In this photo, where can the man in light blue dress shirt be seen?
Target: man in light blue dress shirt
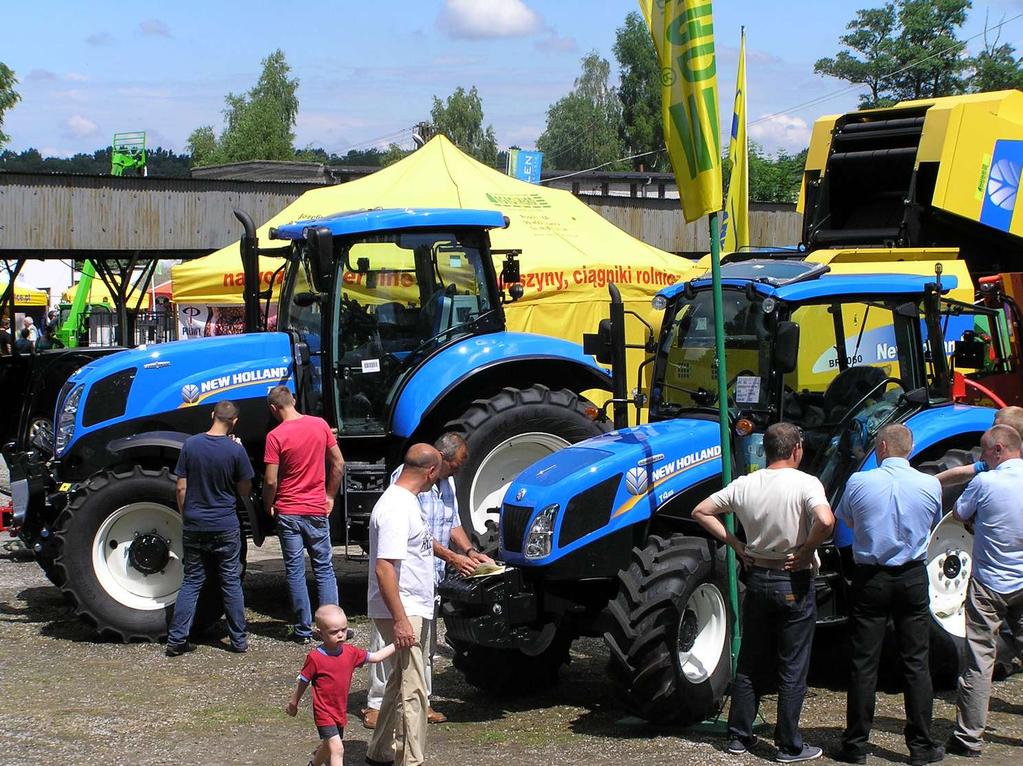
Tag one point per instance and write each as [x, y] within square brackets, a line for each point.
[994, 500]
[891, 511]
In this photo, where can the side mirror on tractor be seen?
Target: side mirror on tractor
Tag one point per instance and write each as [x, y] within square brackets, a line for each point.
[599, 345]
[785, 353]
[320, 243]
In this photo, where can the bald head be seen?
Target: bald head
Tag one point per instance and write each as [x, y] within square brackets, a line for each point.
[1000, 443]
[421, 468]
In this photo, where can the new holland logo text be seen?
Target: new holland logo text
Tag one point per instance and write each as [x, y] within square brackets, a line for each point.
[680, 464]
[636, 480]
[241, 378]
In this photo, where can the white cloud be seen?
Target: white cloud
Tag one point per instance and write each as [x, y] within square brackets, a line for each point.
[482, 19]
[99, 38]
[555, 43]
[780, 132]
[154, 28]
[78, 126]
[40, 75]
[76, 77]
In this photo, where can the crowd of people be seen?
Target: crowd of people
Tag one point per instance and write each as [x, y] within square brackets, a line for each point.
[27, 340]
[891, 511]
[415, 535]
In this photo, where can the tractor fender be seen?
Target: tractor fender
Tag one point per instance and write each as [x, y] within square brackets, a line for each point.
[933, 430]
[166, 443]
[481, 366]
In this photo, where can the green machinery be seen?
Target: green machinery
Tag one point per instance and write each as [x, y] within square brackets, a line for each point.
[72, 316]
[128, 153]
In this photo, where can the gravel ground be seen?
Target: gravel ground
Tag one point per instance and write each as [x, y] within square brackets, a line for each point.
[71, 699]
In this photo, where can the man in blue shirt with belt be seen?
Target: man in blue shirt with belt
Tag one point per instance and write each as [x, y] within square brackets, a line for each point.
[994, 500]
[891, 511]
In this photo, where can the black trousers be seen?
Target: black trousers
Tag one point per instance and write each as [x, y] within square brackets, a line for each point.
[900, 594]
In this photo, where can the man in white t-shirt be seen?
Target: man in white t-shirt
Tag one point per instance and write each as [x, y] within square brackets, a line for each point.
[400, 603]
[785, 515]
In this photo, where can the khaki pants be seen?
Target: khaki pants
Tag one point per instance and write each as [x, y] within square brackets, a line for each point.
[378, 672]
[986, 611]
[400, 735]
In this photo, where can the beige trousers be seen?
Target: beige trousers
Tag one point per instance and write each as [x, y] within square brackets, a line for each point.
[986, 611]
[400, 734]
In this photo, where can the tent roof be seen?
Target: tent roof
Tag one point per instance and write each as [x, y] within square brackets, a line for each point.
[27, 296]
[553, 229]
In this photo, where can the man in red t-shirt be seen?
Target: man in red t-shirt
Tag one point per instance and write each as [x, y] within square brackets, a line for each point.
[299, 492]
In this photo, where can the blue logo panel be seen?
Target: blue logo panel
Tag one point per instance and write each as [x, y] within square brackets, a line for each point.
[1002, 185]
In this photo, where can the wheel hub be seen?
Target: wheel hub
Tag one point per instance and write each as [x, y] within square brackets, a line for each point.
[952, 565]
[149, 553]
[687, 631]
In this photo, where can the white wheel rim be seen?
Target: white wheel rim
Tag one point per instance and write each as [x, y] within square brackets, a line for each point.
[123, 582]
[501, 465]
[699, 654]
[949, 563]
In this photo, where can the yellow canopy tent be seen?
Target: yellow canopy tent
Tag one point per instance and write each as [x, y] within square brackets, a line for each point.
[569, 252]
[99, 294]
[26, 296]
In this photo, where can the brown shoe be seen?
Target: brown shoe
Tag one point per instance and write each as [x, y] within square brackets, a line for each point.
[432, 716]
[369, 717]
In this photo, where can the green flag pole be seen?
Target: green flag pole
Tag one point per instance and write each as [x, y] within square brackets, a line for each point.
[726, 450]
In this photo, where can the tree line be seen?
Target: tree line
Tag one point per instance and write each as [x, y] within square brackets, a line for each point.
[904, 49]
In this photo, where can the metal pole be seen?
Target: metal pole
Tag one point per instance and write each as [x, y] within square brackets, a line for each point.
[726, 448]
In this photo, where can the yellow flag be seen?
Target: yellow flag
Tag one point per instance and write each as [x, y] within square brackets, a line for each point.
[683, 33]
[735, 221]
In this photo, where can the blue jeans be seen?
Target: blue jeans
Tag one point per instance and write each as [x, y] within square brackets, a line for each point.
[219, 553]
[311, 533]
[779, 613]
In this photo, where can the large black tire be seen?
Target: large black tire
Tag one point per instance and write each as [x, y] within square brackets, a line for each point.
[109, 596]
[510, 672]
[506, 434]
[671, 629]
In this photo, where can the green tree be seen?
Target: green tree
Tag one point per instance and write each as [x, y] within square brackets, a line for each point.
[872, 36]
[906, 49]
[258, 124]
[771, 179]
[640, 94]
[460, 118]
[996, 67]
[584, 128]
[8, 97]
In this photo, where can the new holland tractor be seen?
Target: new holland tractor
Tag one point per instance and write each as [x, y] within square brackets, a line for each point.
[390, 325]
[897, 290]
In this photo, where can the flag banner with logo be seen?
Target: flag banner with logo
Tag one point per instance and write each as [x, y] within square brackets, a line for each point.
[683, 34]
[735, 221]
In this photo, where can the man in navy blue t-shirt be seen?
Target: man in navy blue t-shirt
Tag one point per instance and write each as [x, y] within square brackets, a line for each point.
[211, 469]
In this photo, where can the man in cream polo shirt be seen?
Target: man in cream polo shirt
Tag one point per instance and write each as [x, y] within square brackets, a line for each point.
[400, 603]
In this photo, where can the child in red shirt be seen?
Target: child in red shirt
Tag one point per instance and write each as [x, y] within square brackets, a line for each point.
[329, 669]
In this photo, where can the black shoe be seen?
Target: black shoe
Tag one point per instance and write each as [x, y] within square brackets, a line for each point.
[849, 756]
[176, 650]
[736, 746]
[808, 753]
[298, 638]
[955, 747]
[237, 649]
[375, 762]
[931, 755]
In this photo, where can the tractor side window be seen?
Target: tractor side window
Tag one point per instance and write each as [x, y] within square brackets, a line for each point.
[305, 322]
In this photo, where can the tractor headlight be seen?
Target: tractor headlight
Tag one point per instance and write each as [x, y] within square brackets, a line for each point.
[66, 419]
[659, 303]
[541, 531]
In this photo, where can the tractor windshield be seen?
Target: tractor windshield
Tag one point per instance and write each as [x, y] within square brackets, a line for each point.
[685, 374]
[403, 295]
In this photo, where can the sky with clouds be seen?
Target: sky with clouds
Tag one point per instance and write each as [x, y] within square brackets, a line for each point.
[369, 71]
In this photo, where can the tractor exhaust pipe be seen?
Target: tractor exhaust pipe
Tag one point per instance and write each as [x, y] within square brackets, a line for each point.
[619, 372]
[250, 267]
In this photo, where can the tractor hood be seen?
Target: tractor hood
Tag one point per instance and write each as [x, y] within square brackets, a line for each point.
[154, 381]
[604, 484]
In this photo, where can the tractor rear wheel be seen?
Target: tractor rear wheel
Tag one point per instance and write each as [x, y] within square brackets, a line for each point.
[506, 434]
[669, 640]
[119, 556]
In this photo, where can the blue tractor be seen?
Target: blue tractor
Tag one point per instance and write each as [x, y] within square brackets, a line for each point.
[390, 325]
[599, 539]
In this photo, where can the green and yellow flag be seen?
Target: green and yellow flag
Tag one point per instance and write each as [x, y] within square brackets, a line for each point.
[683, 33]
[735, 222]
